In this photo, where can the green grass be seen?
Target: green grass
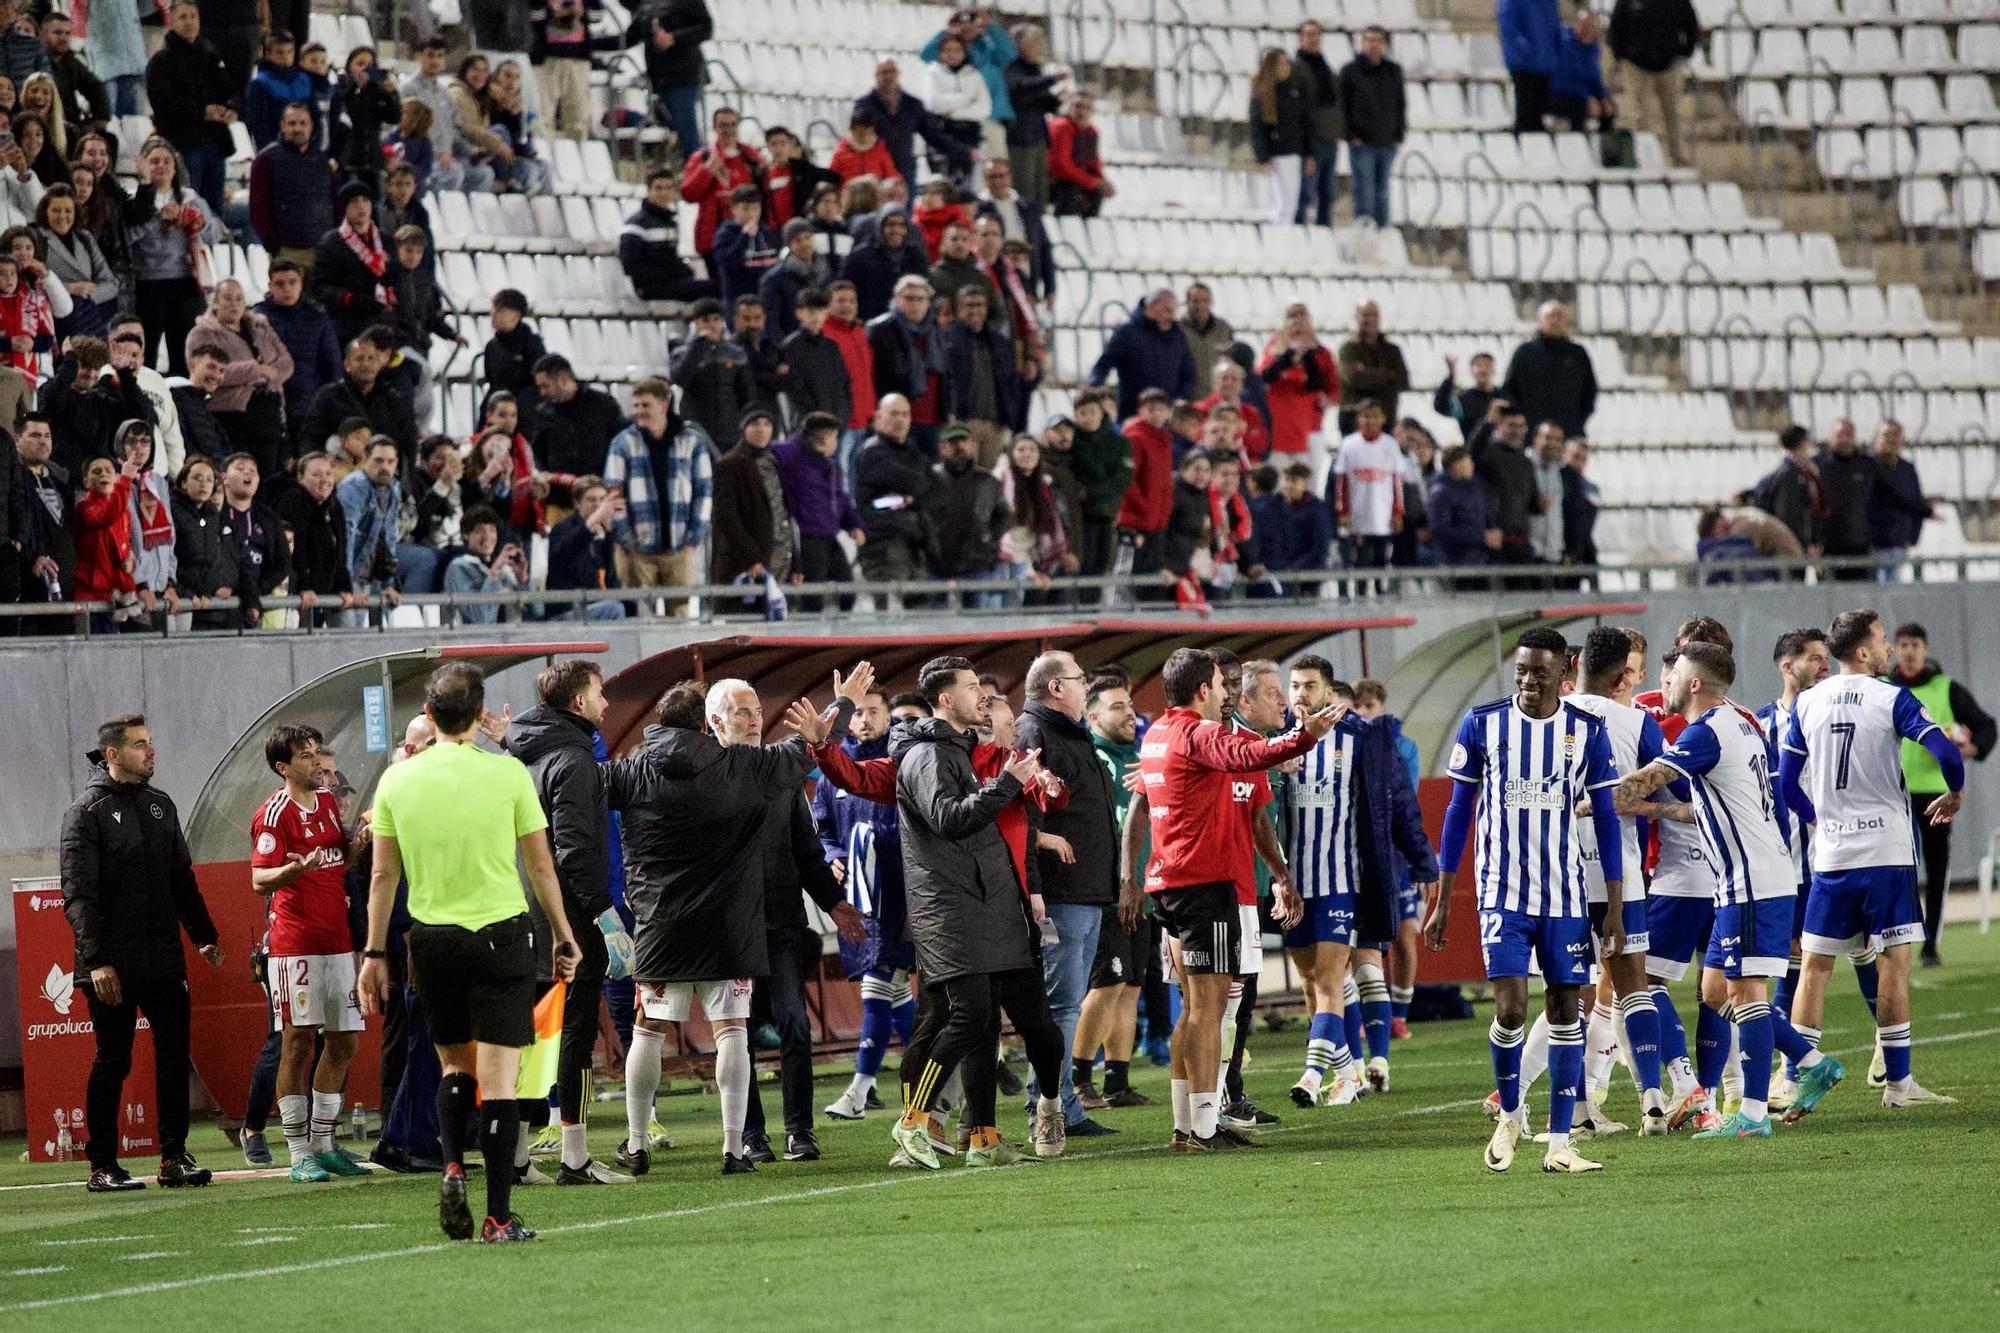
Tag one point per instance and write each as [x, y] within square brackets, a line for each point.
[1379, 1213]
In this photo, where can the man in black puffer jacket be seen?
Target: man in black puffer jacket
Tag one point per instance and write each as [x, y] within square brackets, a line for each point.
[554, 740]
[794, 865]
[975, 944]
[694, 858]
[129, 890]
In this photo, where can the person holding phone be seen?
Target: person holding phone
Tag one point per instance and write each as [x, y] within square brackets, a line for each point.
[488, 565]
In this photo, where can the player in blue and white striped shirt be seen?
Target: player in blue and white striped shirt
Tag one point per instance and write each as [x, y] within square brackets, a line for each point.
[1842, 767]
[1727, 761]
[1525, 763]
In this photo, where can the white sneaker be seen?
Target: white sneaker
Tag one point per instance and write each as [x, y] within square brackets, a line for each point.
[1600, 1125]
[1878, 1068]
[1378, 1074]
[1652, 1124]
[1344, 1090]
[1782, 1092]
[1049, 1133]
[532, 1175]
[915, 1144]
[1567, 1161]
[1912, 1093]
[846, 1107]
[657, 1136]
[1500, 1148]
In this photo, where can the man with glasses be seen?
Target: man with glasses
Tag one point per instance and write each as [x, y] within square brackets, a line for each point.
[1077, 851]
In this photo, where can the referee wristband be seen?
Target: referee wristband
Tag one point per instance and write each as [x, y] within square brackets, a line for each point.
[374, 953]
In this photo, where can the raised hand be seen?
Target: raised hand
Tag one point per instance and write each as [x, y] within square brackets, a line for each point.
[856, 684]
[1325, 720]
[805, 720]
[1023, 765]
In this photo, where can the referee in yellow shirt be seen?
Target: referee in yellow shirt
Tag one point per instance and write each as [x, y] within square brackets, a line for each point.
[452, 819]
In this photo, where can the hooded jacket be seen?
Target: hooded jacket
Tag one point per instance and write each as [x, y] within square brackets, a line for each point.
[1090, 819]
[716, 384]
[556, 747]
[966, 901]
[203, 561]
[1145, 356]
[874, 270]
[1389, 825]
[795, 865]
[1148, 502]
[271, 89]
[693, 837]
[128, 881]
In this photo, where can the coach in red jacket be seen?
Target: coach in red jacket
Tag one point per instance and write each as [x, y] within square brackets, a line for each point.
[1187, 766]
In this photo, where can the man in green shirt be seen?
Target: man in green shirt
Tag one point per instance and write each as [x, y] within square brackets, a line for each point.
[1110, 1014]
[453, 819]
[1969, 727]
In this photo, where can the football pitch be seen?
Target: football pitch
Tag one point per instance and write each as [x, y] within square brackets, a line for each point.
[1379, 1214]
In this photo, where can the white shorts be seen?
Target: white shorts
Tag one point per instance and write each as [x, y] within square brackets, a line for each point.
[1250, 952]
[673, 1001]
[315, 990]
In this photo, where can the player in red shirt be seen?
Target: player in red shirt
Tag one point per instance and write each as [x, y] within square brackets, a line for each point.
[298, 857]
[1190, 768]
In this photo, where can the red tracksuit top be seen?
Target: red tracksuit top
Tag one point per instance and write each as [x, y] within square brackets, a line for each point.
[1188, 765]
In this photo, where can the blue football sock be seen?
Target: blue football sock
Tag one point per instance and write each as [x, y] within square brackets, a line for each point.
[1711, 1047]
[1374, 1010]
[1506, 1044]
[1326, 1043]
[1673, 1037]
[1895, 1050]
[1399, 1002]
[1754, 1034]
[874, 1039]
[1781, 1003]
[1565, 1074]
[904, 1017]
[1867, 978]
[1642, 1029]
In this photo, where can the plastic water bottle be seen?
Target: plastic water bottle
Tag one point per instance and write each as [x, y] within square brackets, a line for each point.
[357, 1123]
[64, 1144]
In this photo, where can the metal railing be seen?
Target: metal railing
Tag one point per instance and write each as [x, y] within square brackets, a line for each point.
[1068, 595]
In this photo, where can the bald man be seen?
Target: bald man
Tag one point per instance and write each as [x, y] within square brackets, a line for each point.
[1550, 377]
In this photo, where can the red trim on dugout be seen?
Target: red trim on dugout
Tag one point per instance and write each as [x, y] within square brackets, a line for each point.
[526, 649]
[1593, 609]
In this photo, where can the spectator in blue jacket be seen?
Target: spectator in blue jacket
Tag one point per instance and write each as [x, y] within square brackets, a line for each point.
[1577, 92]
[1296, 533]
[990, 49]
[1462, 533]
[745, 249]
[1148, 352]
[1898, 510]
[1530, 46]
[277, 82]
[307, 334]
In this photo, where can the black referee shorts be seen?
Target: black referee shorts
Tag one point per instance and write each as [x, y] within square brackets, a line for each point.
[1121, 954]
[1203, 917]
[479, 985]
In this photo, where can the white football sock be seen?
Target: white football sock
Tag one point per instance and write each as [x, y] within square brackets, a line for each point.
[859, 1087]
[1600, 1046]
[575, 1146]
[1183, 1105]
[1753, 1109]
[732, 1082]
[1535, 1052]
[295, 1114]
[325, 1119]
[642, 1081]
[1207, 1108]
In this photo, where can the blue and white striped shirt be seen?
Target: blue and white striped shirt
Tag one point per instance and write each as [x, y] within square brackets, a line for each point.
[1532, 773]
[1324, 853]
[1744, 830]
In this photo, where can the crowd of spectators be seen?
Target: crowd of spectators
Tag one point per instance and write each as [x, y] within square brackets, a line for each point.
[1861, 509]
[851, 402]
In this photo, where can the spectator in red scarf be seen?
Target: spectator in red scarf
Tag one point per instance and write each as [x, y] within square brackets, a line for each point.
[155, 570]
[104, 542]
[1301, 383]
[353, 275]
[517, 489]
[27, 327]
[1036, 544]
[1229, 515]
[713, 174]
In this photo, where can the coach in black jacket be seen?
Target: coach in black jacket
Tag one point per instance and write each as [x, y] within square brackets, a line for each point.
[795, 867]
[1080, 875]
[554, 740]
[129, 890]
[695, 812]
[975, 944]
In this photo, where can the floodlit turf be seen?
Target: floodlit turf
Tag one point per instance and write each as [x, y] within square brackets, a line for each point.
[1378, 1214]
